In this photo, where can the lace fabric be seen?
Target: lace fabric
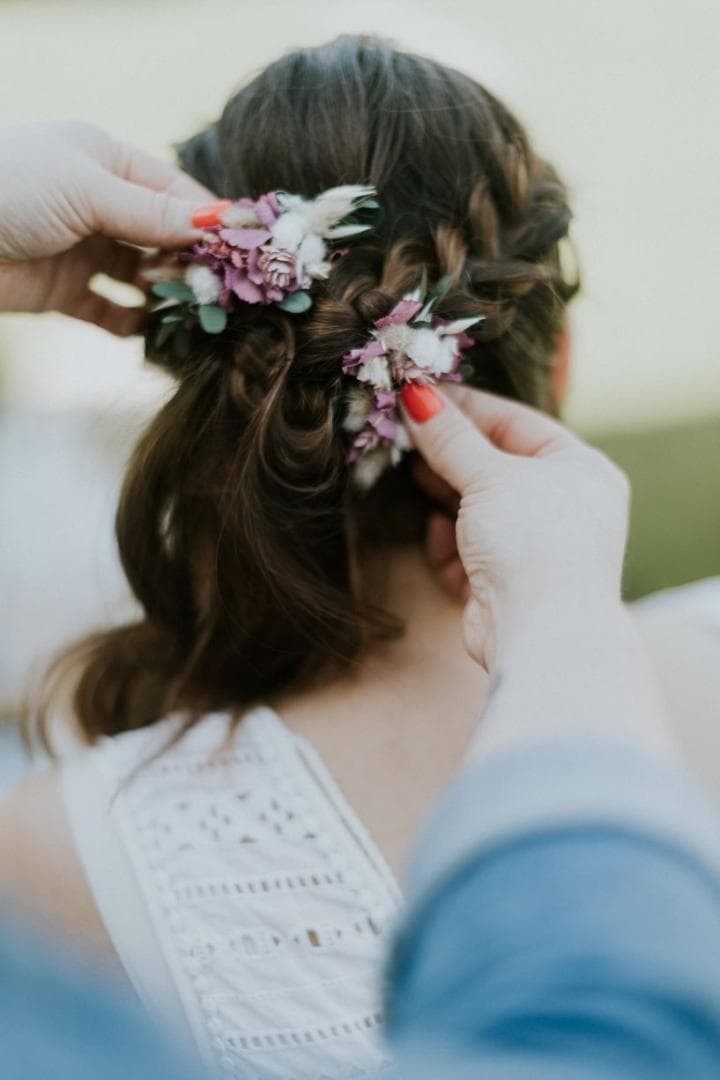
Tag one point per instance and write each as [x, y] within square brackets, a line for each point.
[266, 904]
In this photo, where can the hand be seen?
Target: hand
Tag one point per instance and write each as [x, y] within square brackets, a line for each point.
[72, 200]
[541, 516]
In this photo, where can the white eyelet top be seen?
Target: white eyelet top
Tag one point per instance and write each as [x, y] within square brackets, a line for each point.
[242, 894]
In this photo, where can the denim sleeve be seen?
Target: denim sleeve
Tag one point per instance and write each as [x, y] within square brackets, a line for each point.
[564, 922]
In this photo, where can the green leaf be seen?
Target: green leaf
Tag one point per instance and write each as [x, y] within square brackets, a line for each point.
[173, 316]
[296, 302]
[213, 318]
[173, 290]
[442, 288]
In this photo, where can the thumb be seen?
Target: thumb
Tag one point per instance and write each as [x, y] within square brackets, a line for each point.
[138, 215]
[450, 444]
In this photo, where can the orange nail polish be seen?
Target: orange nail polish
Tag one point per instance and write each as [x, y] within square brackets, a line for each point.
[205, 217]
[421, 401]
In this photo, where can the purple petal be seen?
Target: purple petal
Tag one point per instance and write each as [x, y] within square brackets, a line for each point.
[385, 399]
[351, 361]
[367, 439]
[373, 348]
[245, 289]
[384, 425]
[245, 238]
[253, 270]
[401, 313]
[267, 209]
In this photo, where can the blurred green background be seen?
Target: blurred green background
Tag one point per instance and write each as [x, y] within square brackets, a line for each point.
[675, 520]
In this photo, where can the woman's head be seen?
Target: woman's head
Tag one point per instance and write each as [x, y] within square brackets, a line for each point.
[253, 556]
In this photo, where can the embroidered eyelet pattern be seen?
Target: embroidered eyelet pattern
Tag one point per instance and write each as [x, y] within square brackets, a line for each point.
[270, 911]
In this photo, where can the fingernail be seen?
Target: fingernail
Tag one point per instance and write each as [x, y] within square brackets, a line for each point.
[421, 401]
[205, 217]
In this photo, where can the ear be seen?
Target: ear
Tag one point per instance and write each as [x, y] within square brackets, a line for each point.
[560, 375]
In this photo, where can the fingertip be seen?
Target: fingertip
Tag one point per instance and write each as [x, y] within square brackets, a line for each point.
[421, 401]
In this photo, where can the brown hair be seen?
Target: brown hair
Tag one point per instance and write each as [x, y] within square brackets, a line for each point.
[239, 533]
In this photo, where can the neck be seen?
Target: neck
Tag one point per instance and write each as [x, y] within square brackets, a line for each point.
[423, 675]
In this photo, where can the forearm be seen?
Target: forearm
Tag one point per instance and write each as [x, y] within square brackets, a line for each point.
[565, 897]
[571, 666]
[564, 919]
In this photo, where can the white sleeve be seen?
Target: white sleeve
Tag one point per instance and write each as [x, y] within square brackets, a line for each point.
[698, 602]
[89, 791]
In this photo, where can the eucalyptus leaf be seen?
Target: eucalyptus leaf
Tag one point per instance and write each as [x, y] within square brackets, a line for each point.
[296, 302]
[213, 318]
[173, 316]
[173, 290]
[442, 288]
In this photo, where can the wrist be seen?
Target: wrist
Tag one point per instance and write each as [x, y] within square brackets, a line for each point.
[558, 620]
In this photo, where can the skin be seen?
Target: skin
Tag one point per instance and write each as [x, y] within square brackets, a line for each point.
[521, 569]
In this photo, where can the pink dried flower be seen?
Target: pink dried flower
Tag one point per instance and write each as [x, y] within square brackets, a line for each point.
[277, 267]
[399, 351]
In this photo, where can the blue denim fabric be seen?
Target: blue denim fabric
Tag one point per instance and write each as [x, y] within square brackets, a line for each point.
[564, 921]
[584, 953]
[59, 1021]
[564, 924]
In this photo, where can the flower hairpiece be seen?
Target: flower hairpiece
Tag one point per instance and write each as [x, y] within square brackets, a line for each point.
[263, 251]
[408, 345]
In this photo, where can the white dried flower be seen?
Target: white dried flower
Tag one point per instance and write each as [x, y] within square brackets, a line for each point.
[324, 211]
[288, 231]
[396, 338]
[205, 285]
[432, 352]
[358, 409]
[240, 217]
[376, 372]
[370, 466]
[311, 257]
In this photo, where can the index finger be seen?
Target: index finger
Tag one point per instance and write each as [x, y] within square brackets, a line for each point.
[510, 425]
[450, 443]
[139, 167]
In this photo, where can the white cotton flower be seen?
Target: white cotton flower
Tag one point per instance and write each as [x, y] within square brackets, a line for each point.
[396, 338]
[358, 409]
[240, 217]
[288, 231]
[205, 285]
[311, 258]
[376, 372]
[312, 249]
[369, 467]
[318, 271]
[432, 352]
